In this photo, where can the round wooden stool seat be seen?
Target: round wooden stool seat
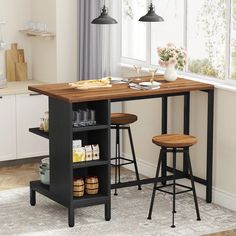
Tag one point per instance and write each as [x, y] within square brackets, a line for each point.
[122, 118]
[174, 140]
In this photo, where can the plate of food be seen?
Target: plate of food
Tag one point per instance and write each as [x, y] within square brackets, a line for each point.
[92, 84]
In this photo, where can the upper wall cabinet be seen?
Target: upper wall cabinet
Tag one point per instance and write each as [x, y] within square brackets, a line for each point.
[7, 128]
[29, 109]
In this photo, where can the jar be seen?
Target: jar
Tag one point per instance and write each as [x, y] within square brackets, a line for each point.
[46, 122]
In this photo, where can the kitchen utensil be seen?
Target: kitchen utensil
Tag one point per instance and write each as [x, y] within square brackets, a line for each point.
[138, 69]
[44, 173]
[21, 66]
[153, 72]
[11, 59]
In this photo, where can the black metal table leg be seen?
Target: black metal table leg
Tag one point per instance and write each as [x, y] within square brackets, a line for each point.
[164, 131]
[186, 127]
[71, 217]
[210, 119]
[32, 197]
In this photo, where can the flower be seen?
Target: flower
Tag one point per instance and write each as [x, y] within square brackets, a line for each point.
[171, 55]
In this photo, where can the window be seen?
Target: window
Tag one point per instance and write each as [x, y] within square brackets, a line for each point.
[169, 31]
[206, 37]
[133, 33]
[202, 27]
[233, 41]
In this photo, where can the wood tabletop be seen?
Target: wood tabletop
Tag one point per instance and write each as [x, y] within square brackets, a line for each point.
[118, 91]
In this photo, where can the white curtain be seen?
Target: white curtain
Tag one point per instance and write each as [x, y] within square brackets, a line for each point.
[99, 45]
[111, 41]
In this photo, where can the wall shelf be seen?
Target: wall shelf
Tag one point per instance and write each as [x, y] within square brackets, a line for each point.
[44, 35]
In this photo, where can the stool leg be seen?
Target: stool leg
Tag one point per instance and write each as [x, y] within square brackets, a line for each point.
[155, 185]
[193, 187]
[163, 167]
[174, 176]
[117, 144]
[134, 158]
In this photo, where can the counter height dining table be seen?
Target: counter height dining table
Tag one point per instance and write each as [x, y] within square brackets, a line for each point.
[63, 100]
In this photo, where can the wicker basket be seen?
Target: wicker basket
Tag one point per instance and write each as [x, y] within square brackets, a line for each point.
[78, 187]
[91, 185]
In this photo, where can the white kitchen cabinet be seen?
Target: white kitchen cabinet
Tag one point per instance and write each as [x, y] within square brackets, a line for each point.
[7, 128]
[29, 109]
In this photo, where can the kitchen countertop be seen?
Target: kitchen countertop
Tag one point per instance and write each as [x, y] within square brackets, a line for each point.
[119, 92]
[18, 87]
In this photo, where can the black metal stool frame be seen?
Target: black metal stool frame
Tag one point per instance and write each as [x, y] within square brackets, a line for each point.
[162, 155]
[118, 157]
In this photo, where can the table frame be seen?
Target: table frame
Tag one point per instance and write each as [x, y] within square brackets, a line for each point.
[165, 168]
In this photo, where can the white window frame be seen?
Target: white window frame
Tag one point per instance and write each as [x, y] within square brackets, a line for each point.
[147, 63]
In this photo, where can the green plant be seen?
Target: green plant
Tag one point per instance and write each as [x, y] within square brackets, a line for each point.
[203, 67]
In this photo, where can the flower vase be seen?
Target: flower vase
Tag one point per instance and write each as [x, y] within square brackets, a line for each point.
[170, 73]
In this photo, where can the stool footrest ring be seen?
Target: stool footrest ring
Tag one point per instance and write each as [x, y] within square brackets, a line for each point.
[160, 188]
[128, 161]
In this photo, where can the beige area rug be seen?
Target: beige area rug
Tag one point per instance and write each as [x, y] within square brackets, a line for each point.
[129, 216]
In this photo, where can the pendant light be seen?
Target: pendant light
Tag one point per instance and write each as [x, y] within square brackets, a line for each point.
[151, 16]
[104, 18]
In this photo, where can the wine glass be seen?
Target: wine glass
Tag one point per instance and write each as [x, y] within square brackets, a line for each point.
[138, 69]
[153, 72]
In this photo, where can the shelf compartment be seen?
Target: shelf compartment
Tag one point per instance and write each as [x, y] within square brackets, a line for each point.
[86, 164]
[101, 109]
[39, 132]
[89, 200]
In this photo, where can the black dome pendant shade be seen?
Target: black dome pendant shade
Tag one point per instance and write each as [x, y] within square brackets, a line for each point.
[104, 18]
[151, 16]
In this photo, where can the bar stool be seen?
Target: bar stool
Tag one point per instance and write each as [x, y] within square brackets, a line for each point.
[174, 143]
[122, 121]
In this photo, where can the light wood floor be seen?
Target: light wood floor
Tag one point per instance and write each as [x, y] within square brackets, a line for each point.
[21, 175]
[18, 176]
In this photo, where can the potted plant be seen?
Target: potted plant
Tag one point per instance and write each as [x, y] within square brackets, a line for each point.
[172, 58]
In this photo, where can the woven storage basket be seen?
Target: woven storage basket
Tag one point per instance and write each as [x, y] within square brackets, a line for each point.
[91, 185]
[78, 187]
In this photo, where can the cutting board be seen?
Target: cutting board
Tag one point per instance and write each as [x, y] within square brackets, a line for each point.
[16, 68]
[11, 59]
[21, 67]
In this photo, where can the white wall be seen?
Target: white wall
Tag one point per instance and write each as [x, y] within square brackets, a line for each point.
[67, 39]
[16, 14]
[49, 61]
[44, 52]
[149, 124]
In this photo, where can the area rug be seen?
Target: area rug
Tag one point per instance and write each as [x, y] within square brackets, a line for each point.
[129, 216]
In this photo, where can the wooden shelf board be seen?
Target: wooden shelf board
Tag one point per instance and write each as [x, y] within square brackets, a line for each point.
[30, 33]
[39, 132]
[43, 134]
[86, 164]
[89, 128]
[89, 200]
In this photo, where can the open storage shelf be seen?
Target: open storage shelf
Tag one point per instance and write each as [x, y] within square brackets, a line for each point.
[62, 168]
[44, 35]
[86, 164]
[39, 132]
